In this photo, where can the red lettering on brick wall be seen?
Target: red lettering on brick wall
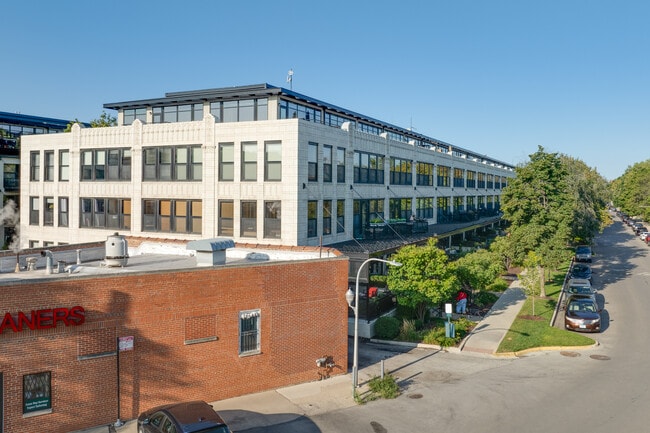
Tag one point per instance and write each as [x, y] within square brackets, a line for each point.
[44, 319]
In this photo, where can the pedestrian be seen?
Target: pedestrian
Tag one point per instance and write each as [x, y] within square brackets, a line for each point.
[461, 302]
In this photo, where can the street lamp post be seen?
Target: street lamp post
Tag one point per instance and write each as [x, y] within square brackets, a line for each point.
[354, 297]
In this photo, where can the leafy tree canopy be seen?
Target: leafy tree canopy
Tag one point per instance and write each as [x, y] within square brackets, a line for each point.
[424, 279]
[102, 121]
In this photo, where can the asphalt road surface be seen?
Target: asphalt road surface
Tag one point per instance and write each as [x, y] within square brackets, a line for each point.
[596, 390]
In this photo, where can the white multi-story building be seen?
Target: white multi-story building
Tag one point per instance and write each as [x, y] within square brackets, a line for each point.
[258, 164]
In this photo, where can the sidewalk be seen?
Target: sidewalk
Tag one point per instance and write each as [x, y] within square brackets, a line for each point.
[308, 399]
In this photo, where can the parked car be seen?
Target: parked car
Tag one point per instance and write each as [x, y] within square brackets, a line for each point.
[639, 229]
[186, 417]
[583, 253]
[580, 288]
[582, 314]
[644, 236]
[580, 270]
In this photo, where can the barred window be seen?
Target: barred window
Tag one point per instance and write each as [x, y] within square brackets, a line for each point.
[37, 392]
[249, 332]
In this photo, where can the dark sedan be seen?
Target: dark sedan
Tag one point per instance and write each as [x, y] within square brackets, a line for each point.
[580, 270]
[187, 417]
[582, 314]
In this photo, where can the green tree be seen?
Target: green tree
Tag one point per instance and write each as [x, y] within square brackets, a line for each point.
[531, 277]
[102, 121]
[477, 270]
[424, 279]
[539, 208]
[630, 191]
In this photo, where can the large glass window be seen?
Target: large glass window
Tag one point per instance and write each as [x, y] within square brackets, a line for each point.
[34, 166]
[459, 177]
[37, 392]
[11, 177]
[240, 111]
[273, 161]
[292, 110]
[248, 219]
[172, 216]
[312, 162]
[113, 213]
[490, 181]
[103, 164]
[327, 163]
[172, 163]
[178, 113]
[368, 168]
[249, 161]
[134, 113]
[424, 207]
[272, 219]
[249, 332]
[481, 180]
[226, 217]
[226, 161]
[312, 219]
[400, 208]
[443, 175]
[400, 172]
[444, 211]
[424, 175]
[471, 179]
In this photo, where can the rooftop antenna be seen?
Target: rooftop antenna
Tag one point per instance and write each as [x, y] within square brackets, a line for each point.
[290, 78]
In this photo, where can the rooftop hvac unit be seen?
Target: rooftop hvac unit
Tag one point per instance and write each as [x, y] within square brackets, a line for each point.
[117, 251]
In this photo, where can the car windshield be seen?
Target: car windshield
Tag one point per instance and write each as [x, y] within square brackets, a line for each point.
[582, 306]
[583, 250]
[579, 289]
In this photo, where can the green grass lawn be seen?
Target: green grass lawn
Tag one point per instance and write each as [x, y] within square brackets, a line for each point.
[533, 330]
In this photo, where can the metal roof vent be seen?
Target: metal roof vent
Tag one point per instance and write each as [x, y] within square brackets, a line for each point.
[210, 252]
[117, 251]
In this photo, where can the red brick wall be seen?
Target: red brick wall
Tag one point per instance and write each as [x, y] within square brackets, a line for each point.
[303, 317]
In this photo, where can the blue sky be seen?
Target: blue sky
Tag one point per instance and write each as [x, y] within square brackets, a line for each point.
[498, 77]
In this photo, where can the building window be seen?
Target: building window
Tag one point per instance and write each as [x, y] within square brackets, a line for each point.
[424, 174]
[63, 211]
[327, 217]
[340, 216]
[226, 217]
[481, 180]
[400, 208]
[248, 219]
[272, 219]
[11, 177]
[105, 164]
[490, 181]
[178, 113]
[459, 206]
[443, 175]
[400, 172]
[48, 211]
[240, 111]
[134, 113]
[172, 216]
[327, 163]
[249, 332]
[172, 163]
[459, 177]
[424, 207]
[444, 213]
[64, 165]
[249, 161]
[113, 213]
[471, 179]
[34, 208]
[312, 219]
[37, 392]
[312, 162]
[48, 158]
[273, 161]
[368, 168]
[340, 165]
[226, 161]
[34, 166]
[292, 110]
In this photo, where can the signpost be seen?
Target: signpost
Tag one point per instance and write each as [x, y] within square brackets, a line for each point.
[123, 344]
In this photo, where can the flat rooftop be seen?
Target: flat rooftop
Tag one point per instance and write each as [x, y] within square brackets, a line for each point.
[87, 260]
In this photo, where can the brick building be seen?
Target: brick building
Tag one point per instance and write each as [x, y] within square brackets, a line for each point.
[188, 332]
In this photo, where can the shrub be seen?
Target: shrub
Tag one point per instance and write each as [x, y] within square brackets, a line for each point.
[483, 299]
[385, 388]
[499, 285]
[408, 331]
[387, 328]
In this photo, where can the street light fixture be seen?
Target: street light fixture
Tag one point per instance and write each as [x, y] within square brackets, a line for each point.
[354, 297]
